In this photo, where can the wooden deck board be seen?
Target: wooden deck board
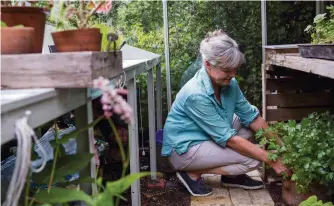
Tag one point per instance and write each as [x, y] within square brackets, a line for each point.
[315, 66]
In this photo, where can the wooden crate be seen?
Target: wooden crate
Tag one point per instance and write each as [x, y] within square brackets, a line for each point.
[292, 94]
[58, 70]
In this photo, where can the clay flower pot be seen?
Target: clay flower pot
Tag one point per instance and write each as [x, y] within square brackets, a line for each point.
[77, 40]
[17, 40]
[28, 17]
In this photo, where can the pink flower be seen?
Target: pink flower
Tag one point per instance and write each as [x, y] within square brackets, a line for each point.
[106, 107]
[105, 99]
[117, 109]
[105, 7]
[112, 101]
[100, 83]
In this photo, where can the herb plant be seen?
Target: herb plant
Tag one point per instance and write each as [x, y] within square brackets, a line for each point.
[308, 149]
[322, 31]
[313, 201]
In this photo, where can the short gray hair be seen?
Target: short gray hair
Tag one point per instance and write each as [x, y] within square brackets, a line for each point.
[218, 48]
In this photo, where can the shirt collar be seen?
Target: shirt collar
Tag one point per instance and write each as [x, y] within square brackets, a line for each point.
[207, 81]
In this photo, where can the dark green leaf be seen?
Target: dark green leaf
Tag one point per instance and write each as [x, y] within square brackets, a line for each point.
[71, 164]
[123, 184]
[53, 143]
[66, 165]
[78, 181]
[76, 133]
[62, 195]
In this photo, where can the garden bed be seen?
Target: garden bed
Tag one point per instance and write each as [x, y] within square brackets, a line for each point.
[173, 195]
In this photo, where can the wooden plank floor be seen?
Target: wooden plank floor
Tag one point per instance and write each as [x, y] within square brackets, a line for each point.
[233, 196]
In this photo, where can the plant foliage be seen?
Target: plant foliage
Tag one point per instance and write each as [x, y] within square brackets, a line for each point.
[322, 31]
[55, 172]
[313, 201]
[308, 149]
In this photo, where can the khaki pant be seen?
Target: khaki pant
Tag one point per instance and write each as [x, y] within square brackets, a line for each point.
[209, 155]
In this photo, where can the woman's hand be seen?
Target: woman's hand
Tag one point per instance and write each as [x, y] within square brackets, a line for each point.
[279, 167]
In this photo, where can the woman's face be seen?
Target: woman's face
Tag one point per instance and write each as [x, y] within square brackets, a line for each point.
[219, 75]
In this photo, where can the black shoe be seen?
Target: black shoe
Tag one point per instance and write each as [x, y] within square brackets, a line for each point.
[195, 187]
[241, 181]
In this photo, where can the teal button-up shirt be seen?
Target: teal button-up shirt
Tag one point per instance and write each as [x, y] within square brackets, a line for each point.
[196, 116]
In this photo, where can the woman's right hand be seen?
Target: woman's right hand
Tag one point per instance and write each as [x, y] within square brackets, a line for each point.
[279, 167]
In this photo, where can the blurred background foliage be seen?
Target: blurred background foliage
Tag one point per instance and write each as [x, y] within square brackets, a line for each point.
[141, 24]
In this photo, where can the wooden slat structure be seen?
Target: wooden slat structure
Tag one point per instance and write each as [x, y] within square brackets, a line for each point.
[294, 61]
[295, 86]
[58, 70]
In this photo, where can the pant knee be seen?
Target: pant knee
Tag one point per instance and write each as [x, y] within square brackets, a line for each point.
[253, 164]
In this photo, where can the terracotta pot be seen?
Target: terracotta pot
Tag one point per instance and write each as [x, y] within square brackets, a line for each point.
[292, 198]
[29, 17]
[77, 40]
[17, 40]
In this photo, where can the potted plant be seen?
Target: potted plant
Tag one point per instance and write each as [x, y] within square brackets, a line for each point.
[23, 39]
[20, 13]
[51, 186]
[322, 34]
[77, 32]
[308, 150]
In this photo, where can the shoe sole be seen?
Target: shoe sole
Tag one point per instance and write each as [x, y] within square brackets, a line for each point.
[189, 190]
[242, 186]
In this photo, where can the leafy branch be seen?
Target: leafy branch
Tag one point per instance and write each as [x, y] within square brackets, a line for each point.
[322, 30]
[308, 149]
[54, 174]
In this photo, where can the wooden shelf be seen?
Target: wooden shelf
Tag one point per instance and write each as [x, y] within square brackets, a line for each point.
[58, 70]
[294, 61]
[49, 103]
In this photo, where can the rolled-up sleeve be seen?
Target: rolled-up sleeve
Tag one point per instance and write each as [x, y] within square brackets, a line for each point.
[244, 110]
[202, 111]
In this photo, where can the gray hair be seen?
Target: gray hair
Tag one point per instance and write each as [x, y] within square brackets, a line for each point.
[220, 49]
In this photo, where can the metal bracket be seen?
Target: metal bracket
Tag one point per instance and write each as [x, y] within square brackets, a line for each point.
[112, 37]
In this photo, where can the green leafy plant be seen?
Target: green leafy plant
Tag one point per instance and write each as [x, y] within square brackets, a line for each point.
[77, 14]
[53, 175]
[55, 172]
[4, 25]
[322, 30]
[308, 149]
[47, 5]
[313, 201]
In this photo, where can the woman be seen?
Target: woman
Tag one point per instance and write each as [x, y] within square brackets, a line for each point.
[210, 122]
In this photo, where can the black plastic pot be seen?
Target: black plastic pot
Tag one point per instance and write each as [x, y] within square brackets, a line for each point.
[319, 51]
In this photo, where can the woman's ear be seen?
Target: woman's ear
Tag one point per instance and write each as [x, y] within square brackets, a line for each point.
[207, 64]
